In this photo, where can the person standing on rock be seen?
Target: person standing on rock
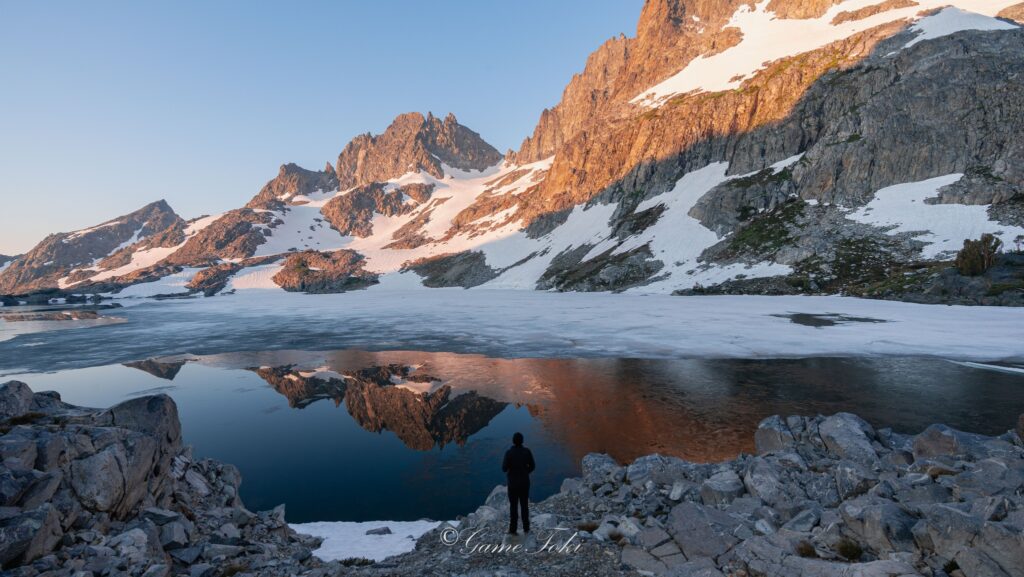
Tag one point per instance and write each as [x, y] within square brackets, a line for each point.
[518, 465]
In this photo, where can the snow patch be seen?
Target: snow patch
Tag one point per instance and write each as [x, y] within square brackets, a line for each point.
[902, 209]
[951, 20]
[344, 539]
[257, 277]
[200, 223]
[85, 231]
[303, 228]
[170, 284]
[767, 38]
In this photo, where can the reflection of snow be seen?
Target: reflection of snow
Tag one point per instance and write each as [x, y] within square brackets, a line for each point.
[343, 540]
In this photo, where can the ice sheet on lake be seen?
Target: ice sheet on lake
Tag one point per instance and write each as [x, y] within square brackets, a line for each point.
[543, 324]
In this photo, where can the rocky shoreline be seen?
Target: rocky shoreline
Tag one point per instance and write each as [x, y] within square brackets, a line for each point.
[114, 492]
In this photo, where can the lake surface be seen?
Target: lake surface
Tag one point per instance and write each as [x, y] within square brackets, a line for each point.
[401, 435]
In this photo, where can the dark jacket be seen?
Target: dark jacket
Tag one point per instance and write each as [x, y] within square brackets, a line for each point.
[518, 465]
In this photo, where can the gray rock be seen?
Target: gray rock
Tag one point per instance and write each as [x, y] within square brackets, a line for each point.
[641, 560]
[155, 415]
[702, 531]
[160, 516]
[217, 551]
[98, 480]
[853, 479]
[157, 570]
[701, 567]
[202, 570]
[645, 468]
[772, 436]
[880, 524]
[229, 534]
[187, 555]
[597, 468]
[721, 488]
[174, 535]
[651, 537]
[803, 521]
[940, 440]
[498, 497]
[849, 437]
[15, 399]
[29, 535]
[379, 531]
[41, 490]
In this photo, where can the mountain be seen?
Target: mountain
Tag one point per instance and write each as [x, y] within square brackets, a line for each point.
[103, 251]
[785, 146]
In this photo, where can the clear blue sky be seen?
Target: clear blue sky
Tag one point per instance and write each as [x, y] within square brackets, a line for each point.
[106, 106]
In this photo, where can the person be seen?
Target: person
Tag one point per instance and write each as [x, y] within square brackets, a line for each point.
[518, 465]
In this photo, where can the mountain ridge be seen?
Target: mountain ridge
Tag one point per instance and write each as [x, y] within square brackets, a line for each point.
[617, 191]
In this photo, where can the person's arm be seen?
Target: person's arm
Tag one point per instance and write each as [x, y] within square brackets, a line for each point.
[530, 465]
[504, 463]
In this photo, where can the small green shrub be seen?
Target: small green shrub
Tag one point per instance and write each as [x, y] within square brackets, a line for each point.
[356, 562]
[977, 256]
[805, 549]
[588, 526]
[25, 419]
[849, 549]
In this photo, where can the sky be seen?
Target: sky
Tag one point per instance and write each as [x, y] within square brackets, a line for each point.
[106, 106]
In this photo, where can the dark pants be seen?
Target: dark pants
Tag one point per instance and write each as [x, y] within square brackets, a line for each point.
[520, 496]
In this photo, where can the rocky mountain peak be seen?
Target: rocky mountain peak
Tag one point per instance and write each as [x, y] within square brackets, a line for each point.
[292, 180]
[412, 143]
[58, 254]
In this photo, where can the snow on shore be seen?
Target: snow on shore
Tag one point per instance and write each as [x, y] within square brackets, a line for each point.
[345, 539]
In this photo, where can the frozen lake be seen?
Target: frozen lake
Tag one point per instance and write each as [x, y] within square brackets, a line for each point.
[398, 405]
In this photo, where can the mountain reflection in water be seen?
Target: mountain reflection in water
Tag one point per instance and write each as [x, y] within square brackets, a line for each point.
[354, 435]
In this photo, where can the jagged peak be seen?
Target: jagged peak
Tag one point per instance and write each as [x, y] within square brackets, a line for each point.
[413, 142]
[292, 180]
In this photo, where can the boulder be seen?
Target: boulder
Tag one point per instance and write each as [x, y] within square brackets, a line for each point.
[29, 535]
[155, 415]
[641, 560]
[702, 531]
[880, 524]
[645, 468]
[847, 436]
[98, 480]
[772, 436]
[598, 468]
[853, 479]
[15, 399]
[940, 440]
[721, 488]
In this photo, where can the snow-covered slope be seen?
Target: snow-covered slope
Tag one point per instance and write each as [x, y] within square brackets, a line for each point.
[766, 38]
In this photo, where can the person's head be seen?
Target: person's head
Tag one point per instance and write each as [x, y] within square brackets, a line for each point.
[517, 439]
